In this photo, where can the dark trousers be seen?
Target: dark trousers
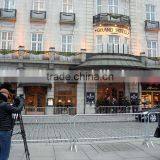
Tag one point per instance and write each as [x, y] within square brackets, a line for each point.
[5, 143]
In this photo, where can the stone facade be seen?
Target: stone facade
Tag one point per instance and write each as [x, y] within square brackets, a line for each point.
[83, 30]
[34, 71]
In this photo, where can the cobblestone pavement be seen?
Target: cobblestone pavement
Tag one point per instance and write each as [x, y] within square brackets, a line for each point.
[133, 150]
[60, 129]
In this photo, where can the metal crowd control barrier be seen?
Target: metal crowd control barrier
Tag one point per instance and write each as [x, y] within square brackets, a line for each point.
[151, 127]
[91, 128]
[116, 109]
[31, 110]
[46, 129]
[88, 128]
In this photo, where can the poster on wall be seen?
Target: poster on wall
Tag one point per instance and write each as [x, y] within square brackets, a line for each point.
[134, 98]
[90, 98]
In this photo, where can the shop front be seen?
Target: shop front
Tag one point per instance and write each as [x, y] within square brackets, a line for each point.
[110, 91]
[35, 100]
[108, 95]
[150, 95]
[65, 95]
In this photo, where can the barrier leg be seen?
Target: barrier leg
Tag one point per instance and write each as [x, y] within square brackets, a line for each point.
[73, 147]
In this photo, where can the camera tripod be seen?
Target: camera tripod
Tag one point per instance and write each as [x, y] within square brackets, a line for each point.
[18, 117]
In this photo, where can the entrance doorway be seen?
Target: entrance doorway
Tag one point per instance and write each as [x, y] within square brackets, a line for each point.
[35, 100]
[111, 90]
[65, 98]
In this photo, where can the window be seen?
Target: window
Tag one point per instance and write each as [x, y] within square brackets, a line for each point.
[99, 44]
[152, 48]
[67, 43]
[39, 5]
[113, 6]
[125, 7]
[126, 45]
[99, 6]
[114, 39]
[113, 46]
[68, 6]
[150, 12]
[6, 40]
[9, 4]
[37, 42]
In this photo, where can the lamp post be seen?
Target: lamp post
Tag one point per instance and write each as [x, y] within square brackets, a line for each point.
[21, 52]
[52, 53]
[83, 51]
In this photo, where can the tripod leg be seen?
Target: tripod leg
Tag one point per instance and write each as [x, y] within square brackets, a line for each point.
[24, 138]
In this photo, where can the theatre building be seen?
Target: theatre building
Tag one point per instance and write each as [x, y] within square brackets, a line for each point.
[71, 56]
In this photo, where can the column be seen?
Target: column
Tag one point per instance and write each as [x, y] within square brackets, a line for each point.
[20, 91]
[50, 95]
[127, 90]
[90, 91]
[80, 98]
[134, 95]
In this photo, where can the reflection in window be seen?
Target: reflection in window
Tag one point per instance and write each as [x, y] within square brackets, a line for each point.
[67, 43]
[150, 12]
[37, 42]
[9, 4]
[68, 6]
[113, 45]
[39, 5]
[152, 48]
[99, 43]
[6, 40]
[99, 6]
[113, 6]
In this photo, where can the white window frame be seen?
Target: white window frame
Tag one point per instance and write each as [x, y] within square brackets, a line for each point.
[149, 13]
[111, 44]
[9, 42]
[36, 42]
[126, 45]
[39, 7]
[67, 43]
[113, 6]
[153, 51]
[114, 37]
[10, 5]
[99, 45]
[67, 10]
[98, 6]
[125, 8]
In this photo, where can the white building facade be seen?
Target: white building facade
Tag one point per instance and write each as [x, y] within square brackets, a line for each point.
[125, 33]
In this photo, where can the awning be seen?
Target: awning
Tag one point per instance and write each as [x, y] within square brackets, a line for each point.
[112, 60]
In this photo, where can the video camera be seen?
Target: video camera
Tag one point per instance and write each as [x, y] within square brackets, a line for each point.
[8, 86]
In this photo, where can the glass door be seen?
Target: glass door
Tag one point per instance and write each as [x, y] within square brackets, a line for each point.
[35, 100]
[65, 98]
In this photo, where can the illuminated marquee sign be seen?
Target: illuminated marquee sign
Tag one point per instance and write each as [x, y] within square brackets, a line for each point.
[112, 30]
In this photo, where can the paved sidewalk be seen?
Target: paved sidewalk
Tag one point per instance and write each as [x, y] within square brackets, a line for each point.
[133, 150]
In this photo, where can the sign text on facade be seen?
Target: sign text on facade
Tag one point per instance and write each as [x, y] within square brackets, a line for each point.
[112, 30]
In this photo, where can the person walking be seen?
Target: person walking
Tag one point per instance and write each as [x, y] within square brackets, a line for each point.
[6, 121]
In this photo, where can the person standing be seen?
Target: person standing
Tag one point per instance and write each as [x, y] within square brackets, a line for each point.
[6, 121]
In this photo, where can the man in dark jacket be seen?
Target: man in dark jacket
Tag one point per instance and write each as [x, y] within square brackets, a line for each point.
[6, 122]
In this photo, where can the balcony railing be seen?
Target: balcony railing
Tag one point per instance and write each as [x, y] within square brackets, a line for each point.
[114, 48]
[67, 18]
[46, 56]
[152, 25]
[8, 14]
[108, 19]
[37, 16]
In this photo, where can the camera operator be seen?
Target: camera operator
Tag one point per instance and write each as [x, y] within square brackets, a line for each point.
[6, 121]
